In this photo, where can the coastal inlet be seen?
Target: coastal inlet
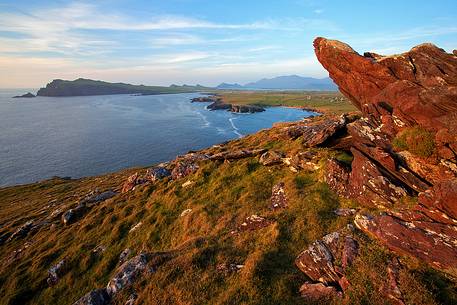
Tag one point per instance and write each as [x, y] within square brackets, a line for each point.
[92, 135]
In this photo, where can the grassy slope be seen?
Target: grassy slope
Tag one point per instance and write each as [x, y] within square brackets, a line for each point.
[328, 102]
[223, 195]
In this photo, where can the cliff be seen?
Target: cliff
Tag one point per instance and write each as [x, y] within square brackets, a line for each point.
[83, 87]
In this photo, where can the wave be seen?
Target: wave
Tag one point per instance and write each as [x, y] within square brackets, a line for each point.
[235, 129]
[206, 123]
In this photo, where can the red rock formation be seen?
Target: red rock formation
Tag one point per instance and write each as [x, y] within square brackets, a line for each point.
[416, 88]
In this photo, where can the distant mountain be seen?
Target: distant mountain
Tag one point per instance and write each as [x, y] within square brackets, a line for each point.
[286, 82]
[229, 86]
[83, 87]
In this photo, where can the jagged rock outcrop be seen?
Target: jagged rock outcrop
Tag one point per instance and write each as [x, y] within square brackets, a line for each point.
[407, 100]
[325, 262]
[418, 87]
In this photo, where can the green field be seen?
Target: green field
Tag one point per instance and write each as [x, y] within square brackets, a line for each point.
[327, 102]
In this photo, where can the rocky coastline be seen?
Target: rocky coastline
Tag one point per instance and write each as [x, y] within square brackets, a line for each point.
[217, 103]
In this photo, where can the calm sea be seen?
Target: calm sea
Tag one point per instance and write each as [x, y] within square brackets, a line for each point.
[83, 136]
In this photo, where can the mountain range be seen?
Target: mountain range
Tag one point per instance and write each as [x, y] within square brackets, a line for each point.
[285, 82]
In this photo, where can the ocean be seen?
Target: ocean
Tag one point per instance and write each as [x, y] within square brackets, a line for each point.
[75, 137]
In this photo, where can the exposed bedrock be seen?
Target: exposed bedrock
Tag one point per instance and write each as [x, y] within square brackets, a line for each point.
[404, 146]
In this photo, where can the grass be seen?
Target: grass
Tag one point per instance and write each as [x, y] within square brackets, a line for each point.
[322, 101]
[416, 140]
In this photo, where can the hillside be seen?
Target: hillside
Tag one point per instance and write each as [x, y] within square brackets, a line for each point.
[83, 87]
[356, 208]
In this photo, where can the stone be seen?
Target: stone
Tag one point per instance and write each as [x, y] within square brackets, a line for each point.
[391, 289]
[22, 231]
[183, 169]
[432, 242]
[157, 173]
[94, 297]
[369, 185]
[278, 196]
[345, 212]
[72, 215]
[304, 160]
[318, 292]
[188, 183]
[253, 223]
[317, 132]
[127, 273]
[326, 259]
[228, 268]
[350, 251]
[124, 255]
[271, 157]
[98, 197]
[55, 272]
[135, 227]
[131, 183]
[186, 212]
[131, 300]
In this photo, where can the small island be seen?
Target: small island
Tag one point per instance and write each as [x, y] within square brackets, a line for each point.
[85, 87]
[27, 95]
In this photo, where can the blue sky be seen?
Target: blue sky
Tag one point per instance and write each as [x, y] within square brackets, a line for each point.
[206, 42]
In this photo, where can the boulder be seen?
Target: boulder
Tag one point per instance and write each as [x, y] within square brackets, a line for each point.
[131, 183]
[94, 297]
[183, 169]
[22, 231]
[72, 215]
[271, 157]
[55, 272]
[326, 260]
[96, 197]
[127, 274]
[303, 160]
[157, 173]
[318, 131]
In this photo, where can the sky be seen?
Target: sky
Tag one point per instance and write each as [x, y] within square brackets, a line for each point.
[202, 42]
